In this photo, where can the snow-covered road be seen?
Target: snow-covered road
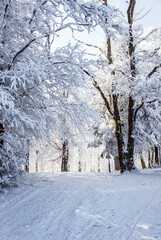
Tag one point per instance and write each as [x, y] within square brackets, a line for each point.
[83, 206]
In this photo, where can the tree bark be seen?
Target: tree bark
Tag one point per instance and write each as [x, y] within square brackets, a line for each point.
[79, 166]
[156, 155]
[119, 135]
[131, 139]
[142, 163]
[131, 110]
[1, 149]
[126, 156]
[116, 113]
[99, 164]
[65, 156]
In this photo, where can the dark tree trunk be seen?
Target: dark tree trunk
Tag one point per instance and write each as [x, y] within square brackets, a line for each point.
[152, 157]
[156, 155]
[116, 113]
[99, 164]
[27, 163]
[126, 156]
[142, 163]
[1, 149]
[149, 159]
[37, 168]
[79, 166]
[130, 145]
[109, 166]
[119, 135]
[131, 110]
[117, 163]
[1, 135]
[65, 156]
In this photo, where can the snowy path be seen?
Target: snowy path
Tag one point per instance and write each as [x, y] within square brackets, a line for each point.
[75, 206]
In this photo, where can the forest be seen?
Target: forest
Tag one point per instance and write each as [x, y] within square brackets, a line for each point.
[52, 93]
[80, 122]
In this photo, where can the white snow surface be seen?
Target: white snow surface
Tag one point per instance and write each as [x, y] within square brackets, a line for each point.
[83, 206]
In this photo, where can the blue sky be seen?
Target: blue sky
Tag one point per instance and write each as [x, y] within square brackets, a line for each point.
[153, 19]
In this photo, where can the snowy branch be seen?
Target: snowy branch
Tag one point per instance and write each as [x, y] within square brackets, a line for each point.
[95, 84]
[153, 71]
[136, 111]
[22, 50]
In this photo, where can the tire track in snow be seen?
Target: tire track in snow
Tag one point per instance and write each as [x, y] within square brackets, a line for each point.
[75, 207]
[142, 212]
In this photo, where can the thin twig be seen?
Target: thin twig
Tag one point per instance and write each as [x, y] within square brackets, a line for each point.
[89, 45]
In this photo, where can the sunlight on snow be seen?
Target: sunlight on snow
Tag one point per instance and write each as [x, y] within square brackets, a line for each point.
[143, 226]
[97, 218]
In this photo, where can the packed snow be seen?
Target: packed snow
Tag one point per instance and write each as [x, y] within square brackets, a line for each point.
[83, 206]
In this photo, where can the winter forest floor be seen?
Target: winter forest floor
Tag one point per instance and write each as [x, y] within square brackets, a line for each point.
[83, 206]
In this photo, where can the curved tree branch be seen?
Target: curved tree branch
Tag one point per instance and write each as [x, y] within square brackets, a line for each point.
[136, 111]
[89, 45]
[34, 12]
[153, 71]
[95, 84]
[22, 50]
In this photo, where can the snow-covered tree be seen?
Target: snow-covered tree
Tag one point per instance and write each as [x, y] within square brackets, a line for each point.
[130, 88]
[33, 76]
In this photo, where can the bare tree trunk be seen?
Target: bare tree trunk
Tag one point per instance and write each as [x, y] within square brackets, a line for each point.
[79, 166]
[156, 158]
[65, 156]
[152, 157]
[116, 114]
[126, 158]
[1, 149]
[119, 135]
[149, 159]
[131, 111]
[27, 158]
[37, 168]
[99, 164]
[159, 156]
[130, 145]
[142, 163]
[109, 166]
[27, 164]
[117, 163]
